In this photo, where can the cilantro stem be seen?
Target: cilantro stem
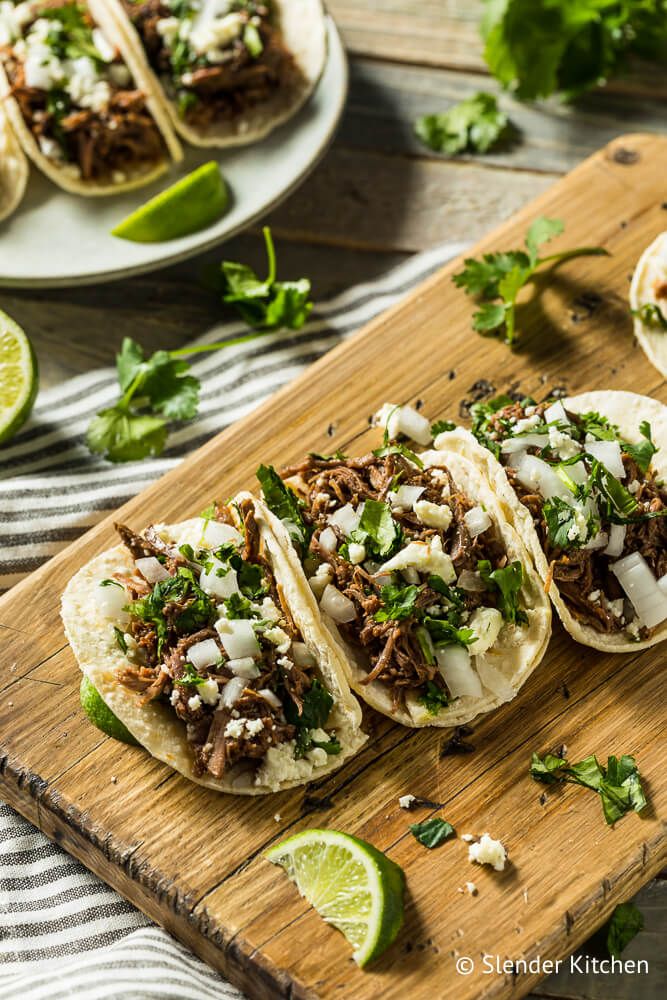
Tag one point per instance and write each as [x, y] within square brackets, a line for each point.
[270, 254]
[183, 351]
[570, 254]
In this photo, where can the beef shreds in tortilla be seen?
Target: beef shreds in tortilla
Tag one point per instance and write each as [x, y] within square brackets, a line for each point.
[403, 618]
[214, 75]
[234, 709]
[581, 568]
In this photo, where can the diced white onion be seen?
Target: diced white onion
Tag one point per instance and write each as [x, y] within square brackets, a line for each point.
[662, 583]
[238, 638]
[647, 597]
[272, 698]
[414, 425]
[512, 445]
[486, 624]
[356, 552]
[216, 533]
[244, 667]
[232, 691]
[556, 412]
[609, 453]
[219, 586]
[151, 569]
[106, 50]
[410, 575]
[322, 576]
[599, 541]
[328, 540]
[346, 518]
[337, 605]
[468, 580]
[405, 496]
[616, 540]
[535, 474]
[111, 600]
[302, 655]
[477, 521]
[494, 680]
[455, 666]
[425, 557]
[204, 654]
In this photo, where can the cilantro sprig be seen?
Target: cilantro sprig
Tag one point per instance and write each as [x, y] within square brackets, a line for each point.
[502, 276]
[618, 785]
[652, 315]
[476, 124]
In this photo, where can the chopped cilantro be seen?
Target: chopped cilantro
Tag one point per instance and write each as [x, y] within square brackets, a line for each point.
[562, 524]
[433, 698]
[399, 602]
[189, 677]
[432, 832]
[643, 452]
[377, 529]
[440, 426]
[120, 639]
[316, 707]
[445, 633]
[652, 315]
[111, 583]
[237, 606]
[618, 785]
[285, 504]
[508, 582]
[476, 124]
[194, 610]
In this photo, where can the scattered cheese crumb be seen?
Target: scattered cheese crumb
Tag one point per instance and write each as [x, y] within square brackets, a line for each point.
[488, 852]
[277, 817]
[194, 703]
[114, 779]
[525, 895]
[472, 888]
[468, 837]
[405, 801]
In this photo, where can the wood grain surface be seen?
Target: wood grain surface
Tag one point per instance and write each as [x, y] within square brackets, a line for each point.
[193, 860]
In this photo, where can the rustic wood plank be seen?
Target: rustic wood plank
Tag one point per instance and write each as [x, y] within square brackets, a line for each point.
[245, 918]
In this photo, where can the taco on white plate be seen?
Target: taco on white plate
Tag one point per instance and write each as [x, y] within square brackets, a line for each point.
[420, 578]
[648, 301]
[79, 99]
[198, 639]
[229, 70]
[582, 480]
[13, 168]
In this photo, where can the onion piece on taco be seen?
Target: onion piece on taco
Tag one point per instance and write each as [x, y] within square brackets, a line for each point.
[582, 480]
[198, 640]
[648, 301]
[79, 99]
[419, 576]
[13, 168]
[230, 70]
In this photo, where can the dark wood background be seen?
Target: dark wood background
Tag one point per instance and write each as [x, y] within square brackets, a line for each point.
[377, 197]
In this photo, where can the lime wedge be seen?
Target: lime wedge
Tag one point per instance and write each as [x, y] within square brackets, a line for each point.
[101, 715]
[351, 884]
[19, 378]
[192, 203]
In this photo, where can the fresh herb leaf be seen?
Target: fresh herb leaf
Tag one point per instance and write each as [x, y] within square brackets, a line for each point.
[619, 501]
[433, 698]
[120, 639]
[111, 583]
[377, 529]
[652, 315]
[399, 602]
[159, 381]
[237, 606]
[195, 609]
[476, 124]
[624, 924]
[189, 677]
[454, 595]
[481, 414]
[123, 436]
[432, 832]
[441, 426]
[508, 582]
[643, 452]
[597, 426]
[266, 304]
[503, 275]
[563, 526]
[252, 40]
[445, 633]
[618, 785]
[316, 707]
[284, 503]
[396, 448]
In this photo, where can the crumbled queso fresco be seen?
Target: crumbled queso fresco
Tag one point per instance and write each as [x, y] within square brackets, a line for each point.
[488, 851]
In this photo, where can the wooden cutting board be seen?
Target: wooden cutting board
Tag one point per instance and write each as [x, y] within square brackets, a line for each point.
[192, 859]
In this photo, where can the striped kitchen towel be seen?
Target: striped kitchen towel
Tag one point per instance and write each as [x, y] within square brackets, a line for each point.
[63, 933]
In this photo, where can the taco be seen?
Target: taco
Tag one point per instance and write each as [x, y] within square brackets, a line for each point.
[582, 480]
[419, 576]
[648, 301]
[79, 99]
[230, 70]
[13, 168]
[198, 640]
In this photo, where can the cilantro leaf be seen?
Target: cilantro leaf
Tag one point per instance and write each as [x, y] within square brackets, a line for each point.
[377, 529]
[195, 609]
[125, 437]
[475, 123]
[507, 581]
[624, 924]
[161, 380]
[541, 231]
[316, 707]
[643, 452]
[562, 525]
[432, 832]
[652, 315]
[481, 277]
[120, 639]
[597, 426]
[189, 677]
[618, 785]
[445, 633]
[237, 606]
[267, 304]
[111, 583]
[441, 426]
[433, 698]
[284, 503]
[399, 602]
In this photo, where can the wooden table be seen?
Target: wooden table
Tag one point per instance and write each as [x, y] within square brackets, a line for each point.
[377, 197]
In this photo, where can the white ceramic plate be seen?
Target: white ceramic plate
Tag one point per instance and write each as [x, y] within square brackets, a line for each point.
[56, 238]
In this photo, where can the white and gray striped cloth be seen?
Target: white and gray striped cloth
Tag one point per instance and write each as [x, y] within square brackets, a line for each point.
[63, 933]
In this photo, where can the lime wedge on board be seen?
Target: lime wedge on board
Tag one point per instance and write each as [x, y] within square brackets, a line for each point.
[101, 715]
[351, 884]
[19, 377]
[191, 204]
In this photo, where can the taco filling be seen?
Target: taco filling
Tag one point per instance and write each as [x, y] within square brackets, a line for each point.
[214, 58]
[597, 507]
[75, 93]
[411, 570]
[208, 632]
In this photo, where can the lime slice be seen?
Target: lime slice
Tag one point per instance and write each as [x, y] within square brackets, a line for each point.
[19, 378]
[350, 883]
[101, 715]
[190, 204]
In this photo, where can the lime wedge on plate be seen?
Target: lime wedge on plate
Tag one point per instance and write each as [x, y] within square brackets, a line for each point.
[351, 884]
[191, 204]
[19, 378]
[101, 715]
